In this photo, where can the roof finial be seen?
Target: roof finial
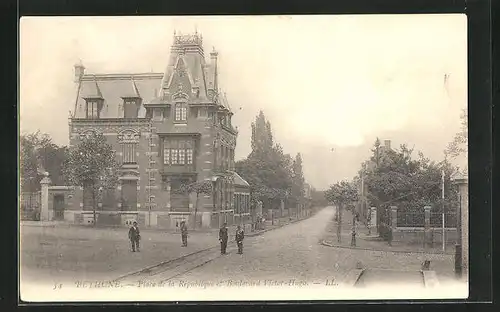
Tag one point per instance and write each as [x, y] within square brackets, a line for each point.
[195, 29]
[175, 32]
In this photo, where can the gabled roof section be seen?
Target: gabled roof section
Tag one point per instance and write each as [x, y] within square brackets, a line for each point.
[187, 67]
[113, 88]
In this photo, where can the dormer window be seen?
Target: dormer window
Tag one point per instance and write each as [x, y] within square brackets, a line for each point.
[157, 114]
[130, 108]
[180, 112]
[92, 109]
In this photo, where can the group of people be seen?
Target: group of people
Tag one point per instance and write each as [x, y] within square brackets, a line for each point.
[223, 238]
[134, 236]
[260, 221]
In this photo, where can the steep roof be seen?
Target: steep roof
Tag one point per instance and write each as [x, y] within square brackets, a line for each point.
[133, 92]
[92, 90]
[113, 88]
[238, 180]
[188, 71]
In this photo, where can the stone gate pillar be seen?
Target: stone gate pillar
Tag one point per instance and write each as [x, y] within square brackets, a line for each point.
[394, 217]
[44, 205]
[463, 226]
[373, 221]
[427, 226]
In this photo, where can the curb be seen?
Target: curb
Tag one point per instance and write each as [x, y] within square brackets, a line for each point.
[328, 244]
[353, 277]
[252, 234]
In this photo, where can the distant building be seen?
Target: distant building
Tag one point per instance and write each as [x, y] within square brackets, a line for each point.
[167, 129]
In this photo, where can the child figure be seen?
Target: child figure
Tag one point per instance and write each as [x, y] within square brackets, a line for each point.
[240, 235]
[134, 236]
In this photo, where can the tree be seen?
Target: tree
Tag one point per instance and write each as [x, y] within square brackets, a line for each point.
[459, 146]
[376, 152]
[198, 187]
[92, 164]
[297, 178]
[341, 194]
[408, 183]
[297, 187]
[318, 198]
[267, 168]
[38, 153]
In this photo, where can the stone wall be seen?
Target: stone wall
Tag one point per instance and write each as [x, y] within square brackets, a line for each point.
[415, 235]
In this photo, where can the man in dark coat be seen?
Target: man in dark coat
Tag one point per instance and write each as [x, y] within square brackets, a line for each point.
[135, 236]
[240, 235]
[184, 234]
[223, 238]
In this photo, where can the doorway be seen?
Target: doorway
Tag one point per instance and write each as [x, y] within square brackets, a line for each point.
[58, 207]
[129, 195]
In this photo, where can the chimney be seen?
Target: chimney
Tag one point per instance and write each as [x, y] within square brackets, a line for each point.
[213, 59]
[214, 54]
[79, 72]
[387, 144]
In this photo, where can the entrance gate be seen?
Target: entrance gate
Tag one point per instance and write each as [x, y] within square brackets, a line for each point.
[58, 207]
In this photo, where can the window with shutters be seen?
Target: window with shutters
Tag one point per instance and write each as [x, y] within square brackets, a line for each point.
[128, 152]
[129, 142]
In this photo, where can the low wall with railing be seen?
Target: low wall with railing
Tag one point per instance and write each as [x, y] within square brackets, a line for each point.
[425, 226]
[416, 235]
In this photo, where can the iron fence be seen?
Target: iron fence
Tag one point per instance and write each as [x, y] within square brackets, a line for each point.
[30, 205]
[411, 219]
[450, 220]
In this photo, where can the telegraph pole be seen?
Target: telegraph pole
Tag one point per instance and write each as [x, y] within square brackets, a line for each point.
[442, 208]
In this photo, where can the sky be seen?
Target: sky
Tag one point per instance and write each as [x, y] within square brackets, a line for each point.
[329, 84]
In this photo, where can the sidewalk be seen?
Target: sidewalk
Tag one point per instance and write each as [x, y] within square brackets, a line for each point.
[378, 254]
[73, 253]
[367, 242]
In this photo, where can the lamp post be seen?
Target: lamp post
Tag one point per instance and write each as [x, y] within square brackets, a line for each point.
[353, 238]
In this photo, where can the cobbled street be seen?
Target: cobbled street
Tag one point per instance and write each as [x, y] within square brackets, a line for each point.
[293, 252]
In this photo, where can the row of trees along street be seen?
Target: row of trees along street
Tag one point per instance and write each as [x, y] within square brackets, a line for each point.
[394, 177]
[273, 175]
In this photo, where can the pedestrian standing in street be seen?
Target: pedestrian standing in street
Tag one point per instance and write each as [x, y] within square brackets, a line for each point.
[223, 238]
[240, 235]
[184, 234]
[135, 236]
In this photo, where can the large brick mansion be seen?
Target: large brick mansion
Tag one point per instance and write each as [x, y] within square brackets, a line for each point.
[167, 129]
